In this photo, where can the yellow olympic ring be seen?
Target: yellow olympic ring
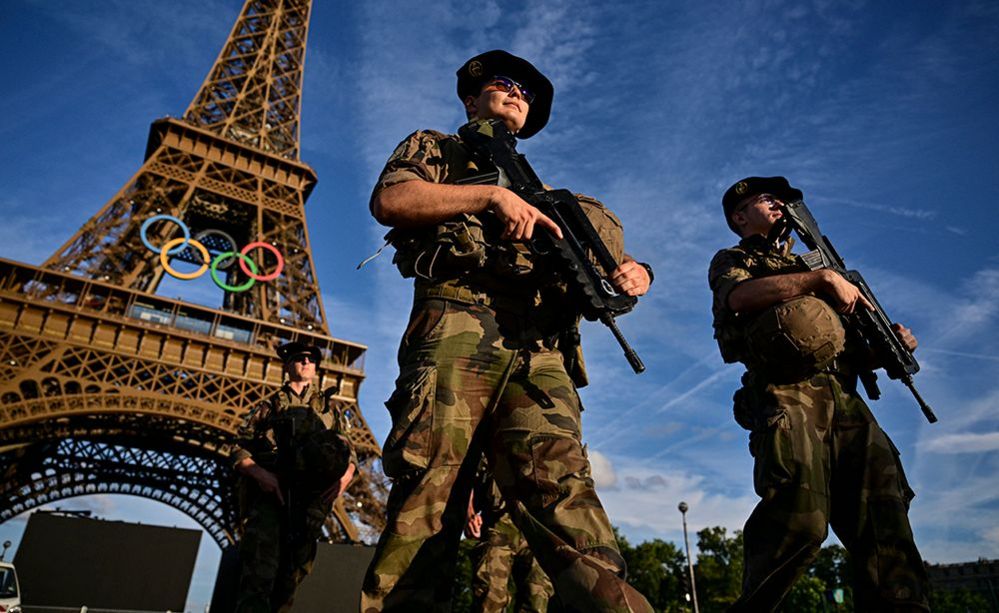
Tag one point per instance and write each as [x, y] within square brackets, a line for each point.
[165, 260]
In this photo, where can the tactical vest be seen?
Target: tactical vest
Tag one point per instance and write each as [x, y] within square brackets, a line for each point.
[471, 243]
[760, 261]
[307, 445]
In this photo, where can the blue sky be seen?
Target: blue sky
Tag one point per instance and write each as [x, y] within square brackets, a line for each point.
[882, 113]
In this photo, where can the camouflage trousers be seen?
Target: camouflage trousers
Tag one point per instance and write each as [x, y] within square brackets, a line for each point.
[274, 561]
[821, 459]
[466, 388]
[503, 552]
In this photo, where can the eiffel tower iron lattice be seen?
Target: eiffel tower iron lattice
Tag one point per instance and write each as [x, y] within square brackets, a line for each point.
[106, 386]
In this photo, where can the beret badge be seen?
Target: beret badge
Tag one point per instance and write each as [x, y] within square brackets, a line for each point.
[475, 68]
[741, 187]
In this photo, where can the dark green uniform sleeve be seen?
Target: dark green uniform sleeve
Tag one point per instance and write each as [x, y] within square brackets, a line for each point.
[247, 439]
[728, 269]
[417, 158]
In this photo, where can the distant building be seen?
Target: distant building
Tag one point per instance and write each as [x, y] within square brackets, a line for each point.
[981, 577]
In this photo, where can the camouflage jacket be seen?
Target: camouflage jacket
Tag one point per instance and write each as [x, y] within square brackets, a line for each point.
[472, 241]
[467, 251]
[753, 258]
[259, 437]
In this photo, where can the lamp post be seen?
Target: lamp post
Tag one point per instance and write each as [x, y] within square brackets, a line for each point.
[690, 562]
[6, 546]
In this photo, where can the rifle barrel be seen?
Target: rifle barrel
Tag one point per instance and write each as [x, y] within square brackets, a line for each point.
[927, 411]
[636, 362]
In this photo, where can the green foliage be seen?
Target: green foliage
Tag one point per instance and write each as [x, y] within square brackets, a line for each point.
[718, 571]
[832, 567]
[806, 596]
[958, 601]
[461, 601]
[658, 570]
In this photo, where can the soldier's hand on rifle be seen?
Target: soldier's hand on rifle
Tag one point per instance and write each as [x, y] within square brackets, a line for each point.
[518, 217]
[631, 278]
[845, 295]
[473, 520]
[906, 336]
[268, 482]
[337, 489]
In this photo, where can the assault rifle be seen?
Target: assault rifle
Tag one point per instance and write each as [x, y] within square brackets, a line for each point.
[284, 431]
[492, 142]
[871, 326]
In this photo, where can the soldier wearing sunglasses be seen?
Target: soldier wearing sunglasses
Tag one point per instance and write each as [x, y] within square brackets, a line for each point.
[294, 459]
[483, 365]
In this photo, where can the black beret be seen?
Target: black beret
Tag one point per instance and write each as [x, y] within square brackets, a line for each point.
[474, 73]
[752, 186]
[294, 348]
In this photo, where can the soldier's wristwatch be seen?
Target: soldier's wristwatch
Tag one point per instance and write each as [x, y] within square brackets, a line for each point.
[648, 269]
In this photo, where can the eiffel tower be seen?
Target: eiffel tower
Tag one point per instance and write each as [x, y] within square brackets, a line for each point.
[108, 387]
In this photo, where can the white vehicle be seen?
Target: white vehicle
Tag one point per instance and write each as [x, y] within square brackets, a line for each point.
[10, 592]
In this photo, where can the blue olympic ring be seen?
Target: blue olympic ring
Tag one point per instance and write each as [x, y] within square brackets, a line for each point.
[183, 228]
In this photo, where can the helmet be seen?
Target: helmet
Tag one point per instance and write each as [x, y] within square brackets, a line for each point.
[793, 340]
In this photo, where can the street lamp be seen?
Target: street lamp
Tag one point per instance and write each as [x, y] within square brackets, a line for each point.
[690, 562]
[3, 554]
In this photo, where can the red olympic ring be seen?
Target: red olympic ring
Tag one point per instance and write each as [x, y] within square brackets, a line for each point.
[269, 277]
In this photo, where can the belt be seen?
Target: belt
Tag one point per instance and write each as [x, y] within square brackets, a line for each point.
[518, 305]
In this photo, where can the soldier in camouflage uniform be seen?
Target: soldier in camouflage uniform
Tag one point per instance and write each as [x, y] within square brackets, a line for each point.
[820, 456]
[483, 367]
[501, 553]
[294, 458]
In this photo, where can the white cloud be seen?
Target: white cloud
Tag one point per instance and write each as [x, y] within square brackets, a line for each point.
[963, 443]
[646, 496]
[604, 476]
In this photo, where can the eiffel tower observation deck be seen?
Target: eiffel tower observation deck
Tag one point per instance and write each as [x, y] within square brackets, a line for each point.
[109, 386]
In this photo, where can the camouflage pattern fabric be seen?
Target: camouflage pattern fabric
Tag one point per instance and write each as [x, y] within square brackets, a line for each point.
[820, 458]
[752, 258]
[475, 381]
[275, 557]
[278, 544]
[258, 434]
[501, 554]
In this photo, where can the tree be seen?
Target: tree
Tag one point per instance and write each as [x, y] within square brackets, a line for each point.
[806, 596]
[958, 601]
[658, 570]
[832, 566]
[718, 572]
[461, 598]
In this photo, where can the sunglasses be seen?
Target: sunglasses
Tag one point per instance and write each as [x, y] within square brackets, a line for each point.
[507, 85]
[766, 199]
[300, 358]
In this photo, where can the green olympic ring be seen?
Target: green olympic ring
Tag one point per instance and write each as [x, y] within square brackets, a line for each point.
[242, 258]
[176, 245]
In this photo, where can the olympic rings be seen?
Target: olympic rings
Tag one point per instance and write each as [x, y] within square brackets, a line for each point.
[277, 270]
[165, 260]
[183, 228]
[221, 261]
